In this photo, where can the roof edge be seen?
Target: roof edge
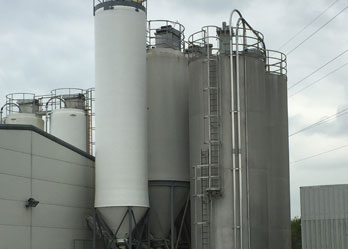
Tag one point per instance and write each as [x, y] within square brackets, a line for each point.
[47, 135]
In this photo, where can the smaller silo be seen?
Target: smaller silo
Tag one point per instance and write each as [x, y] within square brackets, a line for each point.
[278, 146]
[167, 84]
[69, 121]
[22, 108]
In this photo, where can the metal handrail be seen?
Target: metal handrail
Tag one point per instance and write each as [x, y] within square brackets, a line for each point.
[68, 90]
[154, 25]
[276, 62]
[251, 40]
[65, 93]
[47, 112]
[204, 41]
[97, 4]
[2, 109]
[15, 97]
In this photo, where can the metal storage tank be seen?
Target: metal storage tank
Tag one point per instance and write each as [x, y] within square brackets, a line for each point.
[278, 144]
[324, 217]
[228, 159]
[22, 108]
[121, 114]
[70, 125]
[167, 79]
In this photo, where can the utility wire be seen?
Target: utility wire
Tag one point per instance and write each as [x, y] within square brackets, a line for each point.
[320, 28]
[320, 154]
[327, 63]
[309, 24]
[323, 121]
[317, 81]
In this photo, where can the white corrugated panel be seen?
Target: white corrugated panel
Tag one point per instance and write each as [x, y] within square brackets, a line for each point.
[324, 214]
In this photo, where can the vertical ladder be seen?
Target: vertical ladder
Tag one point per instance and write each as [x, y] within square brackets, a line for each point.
[207, 174]
[205, 201]
[213, 119]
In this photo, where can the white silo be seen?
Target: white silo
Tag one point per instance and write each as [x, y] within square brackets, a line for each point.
[70, 125]
[121, 113]
[169, 176]
[68, 121]
[22, 108]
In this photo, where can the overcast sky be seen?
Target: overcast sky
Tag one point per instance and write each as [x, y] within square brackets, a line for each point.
[48, 44]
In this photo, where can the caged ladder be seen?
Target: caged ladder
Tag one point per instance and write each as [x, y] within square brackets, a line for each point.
[207, 174]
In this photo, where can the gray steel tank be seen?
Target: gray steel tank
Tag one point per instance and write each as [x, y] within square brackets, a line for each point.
[277, 124]
[229, 193]
[167, 81]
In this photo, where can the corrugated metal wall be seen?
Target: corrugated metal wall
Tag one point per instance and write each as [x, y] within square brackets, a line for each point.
[324, 214]
[61, 179]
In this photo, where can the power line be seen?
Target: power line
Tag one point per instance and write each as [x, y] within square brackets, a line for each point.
[327, 63]
[320, 28]
[309, 24]
[323, 121]
[320, 154]
[315, 82]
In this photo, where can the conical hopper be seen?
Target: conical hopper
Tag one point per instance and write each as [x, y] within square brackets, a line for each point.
[117, 219]
[160, 212]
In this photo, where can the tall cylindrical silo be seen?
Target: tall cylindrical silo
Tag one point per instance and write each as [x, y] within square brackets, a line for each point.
[233, 212]
[167, 79]
[121, 113]
[277, 124]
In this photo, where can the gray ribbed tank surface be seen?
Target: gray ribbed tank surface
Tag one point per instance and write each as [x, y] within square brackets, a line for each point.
[238, 145]
[278, 179]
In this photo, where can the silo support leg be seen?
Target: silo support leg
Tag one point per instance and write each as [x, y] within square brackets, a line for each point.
[130, 220]
[94, 228]
[182, 221]
[172, 216]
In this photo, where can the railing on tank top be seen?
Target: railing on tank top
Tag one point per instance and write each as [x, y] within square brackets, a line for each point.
[154, 25]
[67, 93]
[97, 4]
[276, 62]
[250, 40]
[204, 42]
[13, 99]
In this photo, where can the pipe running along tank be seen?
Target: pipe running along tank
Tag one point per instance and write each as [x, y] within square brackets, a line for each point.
[228, 139]
[121, 114]
[167, 79]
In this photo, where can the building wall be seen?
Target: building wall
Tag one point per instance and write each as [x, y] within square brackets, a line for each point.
[33, 165]
[324, 216]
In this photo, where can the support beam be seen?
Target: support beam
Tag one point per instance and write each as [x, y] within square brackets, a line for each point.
[130, 220]
[172, 216]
